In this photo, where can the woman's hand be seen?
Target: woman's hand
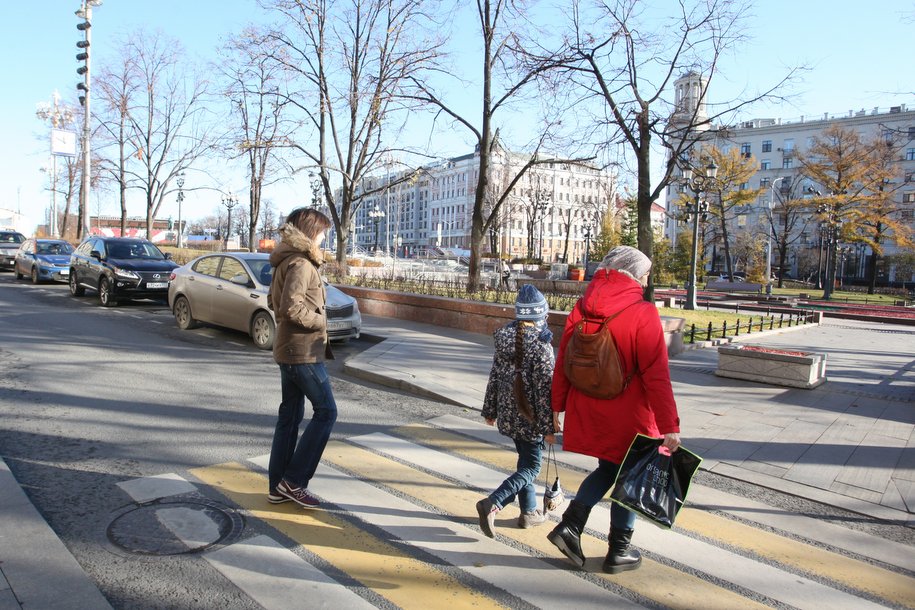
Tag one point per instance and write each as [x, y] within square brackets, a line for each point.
[557, 425]
[671, 441]
[550, 438]
[490, 422]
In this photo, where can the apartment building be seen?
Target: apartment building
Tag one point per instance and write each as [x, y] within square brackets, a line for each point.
[556, 203]
[776, 144]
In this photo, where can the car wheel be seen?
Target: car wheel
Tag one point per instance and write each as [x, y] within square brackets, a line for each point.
[34, 275]
[263, 330]
[183, 316]
[104, 293]
[75, 289]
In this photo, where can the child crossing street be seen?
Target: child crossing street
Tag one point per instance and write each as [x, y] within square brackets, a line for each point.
[518, 399]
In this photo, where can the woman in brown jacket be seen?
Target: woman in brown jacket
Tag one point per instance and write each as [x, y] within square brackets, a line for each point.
[297, 298]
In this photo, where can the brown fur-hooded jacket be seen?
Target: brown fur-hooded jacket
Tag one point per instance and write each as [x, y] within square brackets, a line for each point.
[297, 298]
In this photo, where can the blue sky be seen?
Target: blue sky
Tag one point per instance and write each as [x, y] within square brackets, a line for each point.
[858, 58]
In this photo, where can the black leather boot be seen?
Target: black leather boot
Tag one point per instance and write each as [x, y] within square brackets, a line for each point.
[621, 557]
[567, 535]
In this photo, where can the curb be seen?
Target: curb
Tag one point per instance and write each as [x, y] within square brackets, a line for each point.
[735, 338]
[40, 571]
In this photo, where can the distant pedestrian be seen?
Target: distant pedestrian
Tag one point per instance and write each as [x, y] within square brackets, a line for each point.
[297, 298]
[518, 398]
[604, 428]
[505, 273]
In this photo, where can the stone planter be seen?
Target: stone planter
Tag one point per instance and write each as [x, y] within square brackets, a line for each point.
[790, 368]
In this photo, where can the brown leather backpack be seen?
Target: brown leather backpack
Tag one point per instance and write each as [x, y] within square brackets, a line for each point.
[592, 363]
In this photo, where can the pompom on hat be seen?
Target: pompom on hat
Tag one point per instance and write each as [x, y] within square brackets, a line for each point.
[628, 260]
[530, 304]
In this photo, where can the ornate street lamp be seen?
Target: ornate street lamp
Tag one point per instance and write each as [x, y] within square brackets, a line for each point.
[317, 190]
[375, 215]
[587, 226]
[698, 184]
[85, 26]
[230, 201]
[180, 183]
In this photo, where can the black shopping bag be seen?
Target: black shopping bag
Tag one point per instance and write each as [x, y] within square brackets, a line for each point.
[652, 482]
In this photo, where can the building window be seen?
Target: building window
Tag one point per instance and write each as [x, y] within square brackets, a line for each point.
[745, 150]
[909, 176]
[766, 164]
[787, 163]
[743, 186]
[908, 197]
[767, 145]
[742, 220]
[910, 154]
[912, 132]
[765, 183]
[788, 145]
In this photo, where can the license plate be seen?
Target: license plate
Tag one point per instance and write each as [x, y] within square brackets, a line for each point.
[157, 284]
[11, 262]
[64, 272]
[337, 325]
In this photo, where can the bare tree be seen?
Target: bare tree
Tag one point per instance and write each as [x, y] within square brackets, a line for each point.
[255, 88]
[787, 218]
[352, 58]
[504, 80]
[166, 129]
[623, 59]
[118, 86]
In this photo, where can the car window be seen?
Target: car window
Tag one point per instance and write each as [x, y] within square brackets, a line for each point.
[28, 247]
[207, 266]
[262, 270]
[10, 237]
[231, 268]
[54, 247]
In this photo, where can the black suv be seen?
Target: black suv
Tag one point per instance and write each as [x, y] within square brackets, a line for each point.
[120, 268]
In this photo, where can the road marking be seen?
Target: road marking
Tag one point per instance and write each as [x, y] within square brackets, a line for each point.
[145, 489]
[654, 581]
[707, 498]
[278, 579]
[721, 564]
[380, 566]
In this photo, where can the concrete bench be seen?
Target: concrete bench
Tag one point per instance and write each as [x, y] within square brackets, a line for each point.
[733, 286]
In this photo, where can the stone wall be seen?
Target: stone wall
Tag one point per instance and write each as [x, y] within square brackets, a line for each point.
[472, 316]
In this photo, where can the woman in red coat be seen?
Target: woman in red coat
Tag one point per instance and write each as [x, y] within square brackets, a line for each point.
[604, 428]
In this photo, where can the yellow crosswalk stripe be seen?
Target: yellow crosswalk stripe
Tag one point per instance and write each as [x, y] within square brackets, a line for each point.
[382, 567]
[654, 581]
[863, 576]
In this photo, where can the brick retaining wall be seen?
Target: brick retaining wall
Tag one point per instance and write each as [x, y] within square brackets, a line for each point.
[472, 316]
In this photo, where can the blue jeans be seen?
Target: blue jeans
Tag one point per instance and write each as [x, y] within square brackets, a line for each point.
[521, 484]
[596, 485]
[297, 462]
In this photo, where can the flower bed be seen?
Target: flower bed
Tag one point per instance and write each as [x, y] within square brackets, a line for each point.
[791, 368]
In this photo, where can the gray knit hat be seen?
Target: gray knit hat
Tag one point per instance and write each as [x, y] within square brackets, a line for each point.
[628, 260]
[530, 304]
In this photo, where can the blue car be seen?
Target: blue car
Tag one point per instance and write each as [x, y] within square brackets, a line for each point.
[43, 260]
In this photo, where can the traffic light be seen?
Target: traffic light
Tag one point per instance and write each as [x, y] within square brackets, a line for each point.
[83, 55]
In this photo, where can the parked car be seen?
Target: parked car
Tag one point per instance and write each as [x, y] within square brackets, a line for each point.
[43, 260]
[230, 290]
[10, 241]
[120, 269]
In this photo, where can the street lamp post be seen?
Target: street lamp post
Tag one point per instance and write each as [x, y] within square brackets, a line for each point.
[59, 116]
[541, 207]
[587, 230]
[699, 185]
[230, 201]
[180, 182]
[85, 13]
[317, 189]
[375, 215]
[769, 232]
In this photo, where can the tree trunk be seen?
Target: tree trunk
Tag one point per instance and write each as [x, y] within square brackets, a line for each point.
[645, 232]
[872, 274]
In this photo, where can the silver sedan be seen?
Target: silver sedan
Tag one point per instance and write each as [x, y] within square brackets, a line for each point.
[230, 290]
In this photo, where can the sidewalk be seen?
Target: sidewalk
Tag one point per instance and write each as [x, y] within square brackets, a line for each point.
[848, 443]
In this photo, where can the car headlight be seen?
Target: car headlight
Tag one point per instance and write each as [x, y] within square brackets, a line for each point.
[125, 274]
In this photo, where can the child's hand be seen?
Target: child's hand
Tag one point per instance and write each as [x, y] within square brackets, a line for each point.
[490, 422]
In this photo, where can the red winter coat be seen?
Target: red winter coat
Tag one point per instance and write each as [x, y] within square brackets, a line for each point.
[604, 428]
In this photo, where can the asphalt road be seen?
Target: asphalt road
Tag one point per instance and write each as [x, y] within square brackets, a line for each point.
[91, 397]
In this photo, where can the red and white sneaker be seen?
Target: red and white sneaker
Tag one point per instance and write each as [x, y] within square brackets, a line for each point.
[299, 495]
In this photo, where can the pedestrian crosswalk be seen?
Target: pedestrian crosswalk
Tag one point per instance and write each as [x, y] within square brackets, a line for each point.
[400, 529]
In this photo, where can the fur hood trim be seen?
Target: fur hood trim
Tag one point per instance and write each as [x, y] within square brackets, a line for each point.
[294, 241]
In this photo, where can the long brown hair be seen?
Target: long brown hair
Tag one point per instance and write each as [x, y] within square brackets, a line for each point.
[524, 405]
[309, 221]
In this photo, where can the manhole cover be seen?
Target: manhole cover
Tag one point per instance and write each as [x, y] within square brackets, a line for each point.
[174, 527]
